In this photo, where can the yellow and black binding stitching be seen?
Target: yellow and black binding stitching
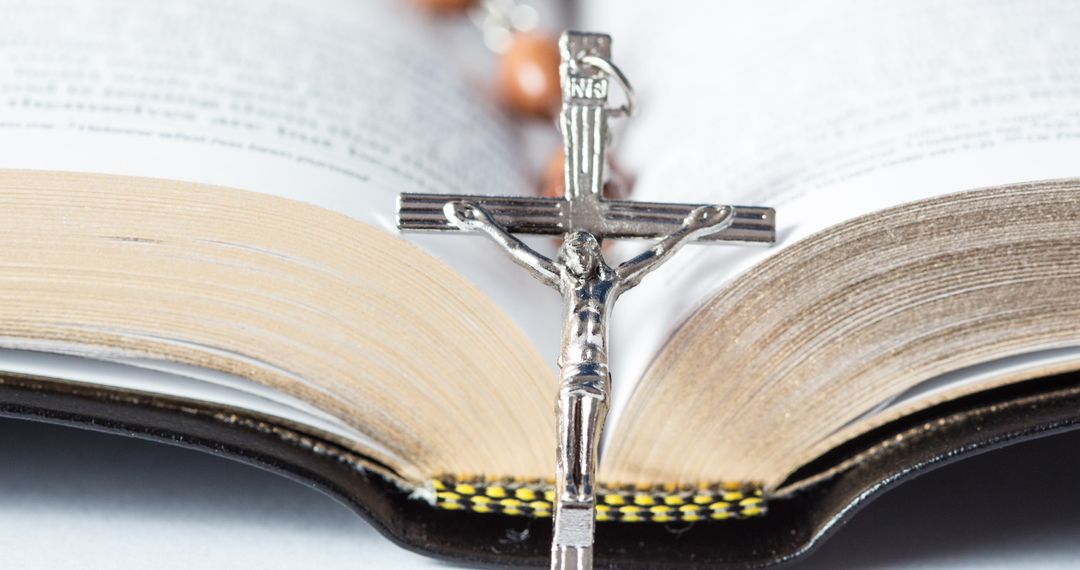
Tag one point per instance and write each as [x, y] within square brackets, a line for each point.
[625, 503]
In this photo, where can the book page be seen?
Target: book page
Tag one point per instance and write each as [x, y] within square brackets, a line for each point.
[828, 110]
[342, 104]
[171, 379]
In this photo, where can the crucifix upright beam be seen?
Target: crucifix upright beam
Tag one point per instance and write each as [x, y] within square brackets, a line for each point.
[589, 285]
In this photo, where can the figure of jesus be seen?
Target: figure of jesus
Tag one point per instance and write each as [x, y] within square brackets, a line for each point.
[589, 287]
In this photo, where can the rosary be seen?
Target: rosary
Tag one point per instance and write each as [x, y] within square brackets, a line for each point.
[588, 285]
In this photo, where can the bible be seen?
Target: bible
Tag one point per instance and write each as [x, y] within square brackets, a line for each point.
[200, 247]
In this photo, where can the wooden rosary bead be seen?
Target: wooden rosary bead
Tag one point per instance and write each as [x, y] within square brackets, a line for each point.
[444, 6]
[552, 183]
[529, 75]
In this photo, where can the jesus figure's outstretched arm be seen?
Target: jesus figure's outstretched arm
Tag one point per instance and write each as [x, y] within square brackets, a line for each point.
[467, 216]
[700, 221]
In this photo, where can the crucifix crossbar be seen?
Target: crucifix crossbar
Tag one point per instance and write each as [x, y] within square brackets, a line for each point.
[618, 219]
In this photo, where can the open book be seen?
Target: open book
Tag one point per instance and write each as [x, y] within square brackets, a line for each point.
[199, 246]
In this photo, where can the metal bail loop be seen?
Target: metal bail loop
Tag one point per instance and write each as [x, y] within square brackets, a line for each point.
[610, 69]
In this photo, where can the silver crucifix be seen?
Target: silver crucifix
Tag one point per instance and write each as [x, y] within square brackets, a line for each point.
[589, 286]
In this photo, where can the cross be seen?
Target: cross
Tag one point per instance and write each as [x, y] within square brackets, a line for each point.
[589, 285]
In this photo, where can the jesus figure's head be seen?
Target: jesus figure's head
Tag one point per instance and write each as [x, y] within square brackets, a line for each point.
[580, 254]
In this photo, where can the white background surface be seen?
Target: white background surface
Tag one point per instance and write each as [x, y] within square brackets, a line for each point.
[73, 499]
